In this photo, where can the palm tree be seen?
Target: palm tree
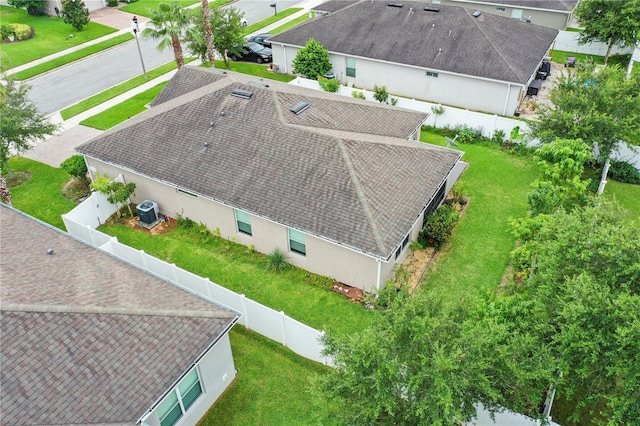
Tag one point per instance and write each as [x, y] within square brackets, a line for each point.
[208, 34]
[168, 24]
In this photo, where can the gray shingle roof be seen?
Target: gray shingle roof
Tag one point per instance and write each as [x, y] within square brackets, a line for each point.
[322, 171]
[86, 338]
[451, 40]
[560, 5]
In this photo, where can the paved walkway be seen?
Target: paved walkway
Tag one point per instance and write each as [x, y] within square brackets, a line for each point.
[57, 148]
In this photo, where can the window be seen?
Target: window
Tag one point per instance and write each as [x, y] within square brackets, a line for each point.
[435, 1]
[182, 191]
[500, 9]
[516, 14]
[434, 203]
[403, 246]
[297, 242]
[243, 221]
[432, 74]
[180, 399]
[351, 67]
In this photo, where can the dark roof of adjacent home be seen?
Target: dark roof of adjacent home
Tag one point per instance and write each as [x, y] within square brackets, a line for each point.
[451, 40]
[87, 338]
[342, 169]
[559, 5]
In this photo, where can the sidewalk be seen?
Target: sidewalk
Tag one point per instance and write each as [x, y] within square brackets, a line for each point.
[57, 148]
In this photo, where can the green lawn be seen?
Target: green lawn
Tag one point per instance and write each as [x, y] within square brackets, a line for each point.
[270, 20]
[560, 57]
[271, 387]
[257, 70]
[478, 252]
[41, 196]
[141, 7]
[290, 24]
[52, 35]
[628, 196]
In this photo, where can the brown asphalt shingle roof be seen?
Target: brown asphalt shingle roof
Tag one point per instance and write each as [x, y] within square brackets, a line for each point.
[451, 40]
[340, 170]
[560, 5]
[86, 338]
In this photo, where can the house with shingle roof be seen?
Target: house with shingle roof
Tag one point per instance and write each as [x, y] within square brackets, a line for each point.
[341, 186]
[438, 53]
[547, 13]
[89, 339]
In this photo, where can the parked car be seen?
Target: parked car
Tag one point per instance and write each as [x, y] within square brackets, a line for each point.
[262, 39]
[253, 52]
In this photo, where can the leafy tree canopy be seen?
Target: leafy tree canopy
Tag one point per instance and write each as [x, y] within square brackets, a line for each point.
[599, 106]
[312, 60]
[34, 7]
[20, 122]
[612, 22]
[76, 166]
[75, 12]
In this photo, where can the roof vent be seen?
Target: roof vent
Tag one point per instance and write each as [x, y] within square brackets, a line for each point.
[395, 4]
[258, 84]
[477, 13]
[299, 107]
[432, 8]
[244, 94]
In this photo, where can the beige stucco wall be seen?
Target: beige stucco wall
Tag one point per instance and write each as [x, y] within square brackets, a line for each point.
[546, 18]
[323, 257]
[401, 80]
[216, 370]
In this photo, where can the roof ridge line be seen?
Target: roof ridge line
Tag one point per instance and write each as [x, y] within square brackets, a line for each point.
[361, 197]
[68, 309]
[474, 20]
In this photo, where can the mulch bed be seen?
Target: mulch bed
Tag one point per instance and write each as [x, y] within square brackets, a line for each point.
[352, 293]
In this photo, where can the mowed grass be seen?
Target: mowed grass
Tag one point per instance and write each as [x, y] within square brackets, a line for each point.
[290, 24]
[477, 255]
[41, 196]
[270, 20]
[627, 195]
[52, 35]
[300, 294]
[271, 388]
[257, 70]
[142, 7]
[124, 110]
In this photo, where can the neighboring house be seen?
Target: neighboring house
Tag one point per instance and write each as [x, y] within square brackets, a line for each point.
[89, 339]
[335, 183]
[547, 13]
[447, 54]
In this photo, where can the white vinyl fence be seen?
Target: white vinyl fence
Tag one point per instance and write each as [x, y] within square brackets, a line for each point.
[567, 41]
[300, 338]
[487, 123]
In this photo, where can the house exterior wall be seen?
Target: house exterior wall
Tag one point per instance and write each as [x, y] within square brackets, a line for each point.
[216, 371]
[323, 257]
[402, 80]
[546, 18]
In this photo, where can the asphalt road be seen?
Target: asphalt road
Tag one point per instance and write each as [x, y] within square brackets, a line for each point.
[60, 88]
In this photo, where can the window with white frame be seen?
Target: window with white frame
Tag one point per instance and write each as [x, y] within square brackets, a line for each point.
[180, 399]
[351, 67]
[432, 74]
[297, 242]
[243, 221]
[516, 14]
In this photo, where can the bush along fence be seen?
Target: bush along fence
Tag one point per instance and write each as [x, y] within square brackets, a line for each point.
[300, 338]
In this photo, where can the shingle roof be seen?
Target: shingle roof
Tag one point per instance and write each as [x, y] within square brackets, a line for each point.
[452, 39]
[340, 170]
[86, 338]
[560, 5]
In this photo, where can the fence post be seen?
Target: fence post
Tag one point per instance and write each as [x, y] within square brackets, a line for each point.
[245, 313]
[284, 335]
[144, 260]
[208, 285]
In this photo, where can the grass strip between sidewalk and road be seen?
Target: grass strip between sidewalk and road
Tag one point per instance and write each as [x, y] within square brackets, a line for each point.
[71, 57]
[270, 20]
[141, 7]
[290, 24]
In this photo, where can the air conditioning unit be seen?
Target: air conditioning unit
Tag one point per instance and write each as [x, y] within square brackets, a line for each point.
[147, 211]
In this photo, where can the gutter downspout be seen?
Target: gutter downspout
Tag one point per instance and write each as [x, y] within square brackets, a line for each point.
[379, 275]
[506, 101]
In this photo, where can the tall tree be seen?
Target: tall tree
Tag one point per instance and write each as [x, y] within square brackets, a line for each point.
[427, 362]
[168, 23]
[599, 106]
[75, 12]
[20, 122]
[312, 60]
[34, 7]
[613, 22]
[208, 34]
[228, 34]
[583, 302]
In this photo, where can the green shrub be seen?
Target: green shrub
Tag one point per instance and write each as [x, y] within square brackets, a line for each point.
[380, 93]
[185, 223]
[76, 167]
[22, 31]
[498, 137]
[6, 31]
[358, 94]
[439, 227]
[276, 261]
[624, 172]
[329, 84]
[521, 261]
